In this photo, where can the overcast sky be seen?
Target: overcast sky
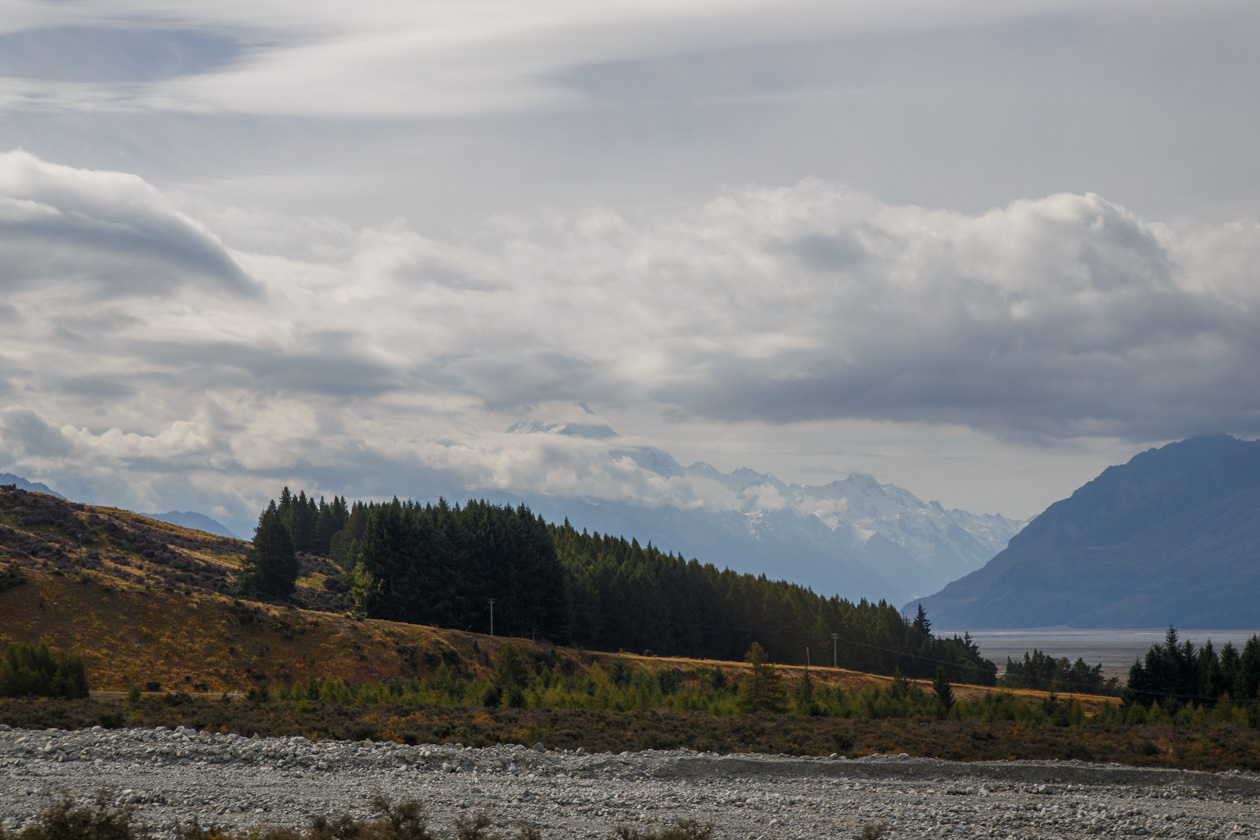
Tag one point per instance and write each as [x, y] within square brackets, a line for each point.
[978, 249]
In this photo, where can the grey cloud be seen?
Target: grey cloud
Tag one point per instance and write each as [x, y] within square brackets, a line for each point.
[437, 273]
[95, 387]
[112, 54]
[329, 366]
[513, 377]
[1053, 318]
[10, 314]
[28, 433]
[109, 231]
[824, 253]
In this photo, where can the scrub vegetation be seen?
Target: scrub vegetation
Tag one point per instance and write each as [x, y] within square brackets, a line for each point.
[94, 587]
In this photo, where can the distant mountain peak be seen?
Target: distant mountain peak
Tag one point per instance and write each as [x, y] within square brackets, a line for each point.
[1170, 537]
[196, 521]
[651, 459]
[570, 419]
[854, 536]
[589, 431]
[20, 483]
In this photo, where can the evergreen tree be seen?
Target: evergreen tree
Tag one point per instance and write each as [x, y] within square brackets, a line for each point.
[761, 689]
[803, 702]
[510, 669]
[271, 567]
[920, 630]
[37, 671]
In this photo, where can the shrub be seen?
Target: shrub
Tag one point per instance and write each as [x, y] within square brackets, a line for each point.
[64, 820]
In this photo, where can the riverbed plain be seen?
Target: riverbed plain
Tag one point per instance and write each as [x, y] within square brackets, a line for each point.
[179, 776]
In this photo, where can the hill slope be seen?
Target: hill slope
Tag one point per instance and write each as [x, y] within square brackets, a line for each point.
[146, 602]
[1171, 537]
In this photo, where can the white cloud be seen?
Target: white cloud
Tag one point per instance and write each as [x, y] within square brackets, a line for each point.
[109, 231]
[377, 59]
[390, 362]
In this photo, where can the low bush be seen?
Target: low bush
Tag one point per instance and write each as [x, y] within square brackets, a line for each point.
[66, 820]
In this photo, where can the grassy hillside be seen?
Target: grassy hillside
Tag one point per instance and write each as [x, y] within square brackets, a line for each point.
[149, 603]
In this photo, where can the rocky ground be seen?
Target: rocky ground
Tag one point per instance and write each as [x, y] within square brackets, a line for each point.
[237, 782]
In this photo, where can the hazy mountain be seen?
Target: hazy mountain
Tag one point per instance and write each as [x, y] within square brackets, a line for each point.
[29, 486]
[185, 519]
[853, 537]
[192, 519]
[1171, 537]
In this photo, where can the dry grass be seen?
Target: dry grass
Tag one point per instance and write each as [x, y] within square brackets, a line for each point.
[150, 602]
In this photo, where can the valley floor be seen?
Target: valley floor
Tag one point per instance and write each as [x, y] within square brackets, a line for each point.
[239, 783]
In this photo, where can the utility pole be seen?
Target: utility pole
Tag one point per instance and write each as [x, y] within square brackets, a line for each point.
[491, 616]
[807, 658]
[835, 661]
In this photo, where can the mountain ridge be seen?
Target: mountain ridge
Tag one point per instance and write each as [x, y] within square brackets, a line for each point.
[9, 479]
[1168, 538]
[853, 537]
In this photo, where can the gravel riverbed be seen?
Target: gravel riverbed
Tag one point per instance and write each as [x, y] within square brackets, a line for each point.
[240, 783]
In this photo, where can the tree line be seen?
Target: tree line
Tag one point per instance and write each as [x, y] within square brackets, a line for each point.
[442, 564]
[1176, 674]
[1043, 672]
[38, 671]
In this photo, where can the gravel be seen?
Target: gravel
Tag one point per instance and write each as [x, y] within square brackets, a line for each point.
[242, 783]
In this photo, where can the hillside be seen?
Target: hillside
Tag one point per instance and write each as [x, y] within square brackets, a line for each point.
[151, 604]
[1170, 538]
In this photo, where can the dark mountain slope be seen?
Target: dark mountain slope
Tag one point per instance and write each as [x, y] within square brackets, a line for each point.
[1172, 537]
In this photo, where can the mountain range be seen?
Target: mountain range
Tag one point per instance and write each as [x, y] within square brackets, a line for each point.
[1170, 538]
[9, 479]
[196, 521]
[854, 537]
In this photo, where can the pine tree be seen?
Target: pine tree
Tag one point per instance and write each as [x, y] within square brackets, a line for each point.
[761, 689]
[803, 698]
[271, 567]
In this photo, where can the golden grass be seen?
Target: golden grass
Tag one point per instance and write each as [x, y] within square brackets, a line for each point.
[134, 628]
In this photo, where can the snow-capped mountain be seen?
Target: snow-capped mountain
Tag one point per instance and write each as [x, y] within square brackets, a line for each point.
[854, 537]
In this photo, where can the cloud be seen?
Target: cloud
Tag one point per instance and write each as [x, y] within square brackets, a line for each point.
[377, 59]
[385, 361]
[107, 231]
[26, 433]
[1054, 317]
[97, 54]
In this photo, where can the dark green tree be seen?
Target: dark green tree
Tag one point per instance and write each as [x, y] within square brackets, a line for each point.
[270, 568]
[761, 689]
[37, 671]
[510, 669]
[803, 702]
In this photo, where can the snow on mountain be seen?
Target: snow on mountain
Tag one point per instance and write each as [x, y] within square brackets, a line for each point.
[581, 423]
[854, 537]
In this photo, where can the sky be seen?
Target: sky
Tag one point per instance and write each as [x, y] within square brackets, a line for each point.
[981, 250]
